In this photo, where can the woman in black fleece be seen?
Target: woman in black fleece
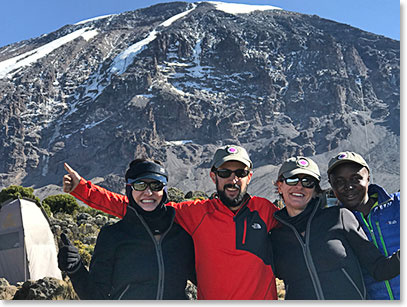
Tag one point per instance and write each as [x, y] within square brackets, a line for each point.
[145, 256]
[318, 251]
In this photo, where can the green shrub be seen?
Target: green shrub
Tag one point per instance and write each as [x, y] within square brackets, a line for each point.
[93, 212]
[175, 195]
[85, 251]
[193, 195]
[15, 192]
[47, 209]
[61, 203]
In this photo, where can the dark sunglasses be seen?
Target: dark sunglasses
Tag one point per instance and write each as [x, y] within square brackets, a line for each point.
[306, 182]
[154, 186]
[225, 173]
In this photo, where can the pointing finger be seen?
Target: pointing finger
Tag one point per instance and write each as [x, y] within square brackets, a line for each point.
[71, 180]
[68, 168]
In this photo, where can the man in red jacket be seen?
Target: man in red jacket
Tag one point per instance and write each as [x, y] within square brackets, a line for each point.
[230, 231]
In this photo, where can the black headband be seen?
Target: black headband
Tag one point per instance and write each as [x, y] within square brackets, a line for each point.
[144, 168]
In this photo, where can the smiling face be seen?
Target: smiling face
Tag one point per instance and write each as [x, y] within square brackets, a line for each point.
[350, 182]
[148, 200]
[295, 197]
[231, 189]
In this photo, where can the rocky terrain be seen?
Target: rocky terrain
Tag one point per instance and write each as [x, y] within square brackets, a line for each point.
[176, 80]
[82, 229]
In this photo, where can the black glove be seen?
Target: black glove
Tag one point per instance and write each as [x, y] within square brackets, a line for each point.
[68, 255]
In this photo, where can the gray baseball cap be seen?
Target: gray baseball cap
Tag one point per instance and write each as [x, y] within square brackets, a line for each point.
[346, 157]
[299, 165]
[231, 153]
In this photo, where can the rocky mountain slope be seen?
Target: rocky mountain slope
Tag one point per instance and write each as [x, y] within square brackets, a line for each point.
[176, 80]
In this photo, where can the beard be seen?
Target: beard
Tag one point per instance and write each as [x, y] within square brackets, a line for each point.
[229, 202]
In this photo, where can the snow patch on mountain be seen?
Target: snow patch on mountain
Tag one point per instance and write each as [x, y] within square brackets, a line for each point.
[178, 143]
[126, 58]
[93, 19]
[189, 76]
[11, 66]
[237, 8]
[88, 35]
[98, 82]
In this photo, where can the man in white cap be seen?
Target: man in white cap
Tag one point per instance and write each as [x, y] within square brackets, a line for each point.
[230, 231]
[377, 211]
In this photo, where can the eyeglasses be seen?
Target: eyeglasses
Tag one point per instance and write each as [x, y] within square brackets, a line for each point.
[154, 186]
[225, 173]
[306, 182]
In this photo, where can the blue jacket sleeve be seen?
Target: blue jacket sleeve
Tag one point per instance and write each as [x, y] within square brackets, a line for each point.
[379, 266]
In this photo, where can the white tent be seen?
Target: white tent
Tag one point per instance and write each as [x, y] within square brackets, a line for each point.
[27, 247]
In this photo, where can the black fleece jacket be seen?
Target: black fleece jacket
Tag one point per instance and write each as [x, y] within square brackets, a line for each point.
[130, 264]
[324, 263]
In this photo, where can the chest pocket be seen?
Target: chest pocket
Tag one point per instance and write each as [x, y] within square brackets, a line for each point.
[252, 235]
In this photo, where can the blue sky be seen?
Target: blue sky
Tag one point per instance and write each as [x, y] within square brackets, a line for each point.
[24, 19]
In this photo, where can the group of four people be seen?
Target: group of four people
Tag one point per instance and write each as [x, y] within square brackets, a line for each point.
[233, 245]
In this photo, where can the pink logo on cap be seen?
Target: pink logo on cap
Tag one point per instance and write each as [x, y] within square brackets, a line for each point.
[302, 162]
[232, 150]
[342, 156]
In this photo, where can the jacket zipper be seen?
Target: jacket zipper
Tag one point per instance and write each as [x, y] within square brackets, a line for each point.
[363, 297]
[124, 291]
[244, 205]
[386, 282]
[244, 231]
[161, 269]
[308, 259]
[372, 234]
[307, 254]
[161, 272]
[160, 259]
[238, 213]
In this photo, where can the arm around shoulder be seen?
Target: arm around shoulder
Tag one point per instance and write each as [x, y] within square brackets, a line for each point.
[378, 265]
[100, 198]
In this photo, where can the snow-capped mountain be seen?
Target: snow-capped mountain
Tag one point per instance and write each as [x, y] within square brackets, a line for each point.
[176, 80]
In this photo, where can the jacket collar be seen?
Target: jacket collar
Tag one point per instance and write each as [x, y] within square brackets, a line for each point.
[222, 207]
[132, 218]
[282, 216]
[383, 196]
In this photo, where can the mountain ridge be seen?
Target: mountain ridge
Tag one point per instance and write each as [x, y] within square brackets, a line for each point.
[276, 82]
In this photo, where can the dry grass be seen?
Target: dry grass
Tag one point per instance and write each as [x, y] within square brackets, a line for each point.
[280, 289]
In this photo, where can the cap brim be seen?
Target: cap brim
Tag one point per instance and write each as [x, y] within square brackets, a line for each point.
[150, 176]
[232, 158]
[342, 161]
[298, 171]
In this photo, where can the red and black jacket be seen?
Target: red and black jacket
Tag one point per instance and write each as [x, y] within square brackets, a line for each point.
[231, 249]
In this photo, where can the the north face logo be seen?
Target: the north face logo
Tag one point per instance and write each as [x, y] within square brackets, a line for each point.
[256, 226]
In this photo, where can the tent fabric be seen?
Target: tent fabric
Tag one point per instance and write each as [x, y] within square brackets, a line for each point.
[12, 260]
[12, 253]
[27, 248]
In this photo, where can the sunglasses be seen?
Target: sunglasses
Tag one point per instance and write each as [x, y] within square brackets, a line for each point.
[306, 182]
[154, 186]
[225, 173]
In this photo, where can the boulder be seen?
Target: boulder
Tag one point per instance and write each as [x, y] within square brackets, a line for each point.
[84, 218]
[7, 291]
[47, 288]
